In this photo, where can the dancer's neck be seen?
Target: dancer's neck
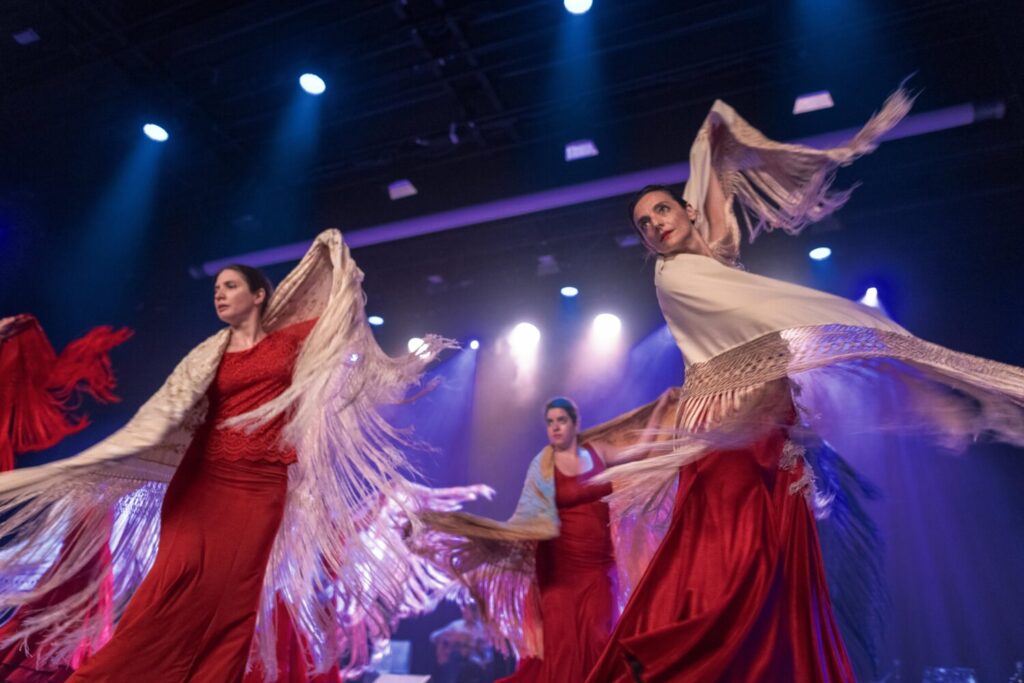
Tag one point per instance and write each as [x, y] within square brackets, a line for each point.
[247, 333]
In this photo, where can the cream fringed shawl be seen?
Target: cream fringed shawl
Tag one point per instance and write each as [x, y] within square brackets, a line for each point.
[330, 542]
[493, 561]
[777, 185]
[746, 337]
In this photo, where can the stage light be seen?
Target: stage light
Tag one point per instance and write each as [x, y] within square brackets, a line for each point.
[155, 132]
[375, 320]
[578, 6]
[26, 36]
[870, 298]
[580, 149]
[606, 326]
[813, 101]
[524, 338]
[569, 291]
[312, 84]
[474, 344]
[419, 347]
[401, 189]
[820, 253]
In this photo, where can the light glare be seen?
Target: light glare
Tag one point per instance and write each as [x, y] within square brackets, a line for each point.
[474, 344]
[155, 132]
[820, 253]
[606, 326]
[870, 297]
[569, 291]
[375, 320]
[524, 337]
[578, 6]
[312, 84]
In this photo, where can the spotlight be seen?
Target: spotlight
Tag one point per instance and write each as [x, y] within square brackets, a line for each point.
[569, 291]
[155, 132]
[820, 253]
[870, 298]
[474, 344]
[312, 84]
[524, 337]
[418, 347]
[813, 101]
[578, 6]
[375, 320]
[580, 149]
[401, 189]
[606, 326]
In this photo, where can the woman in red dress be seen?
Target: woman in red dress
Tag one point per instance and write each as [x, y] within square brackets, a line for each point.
[736, 591]
[194, 614]
[240, 487]
[546, 580]
[576, 582]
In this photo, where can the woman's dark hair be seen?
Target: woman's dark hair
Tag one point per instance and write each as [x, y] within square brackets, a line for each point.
[565, 404]
[255, 278]
[646, 190]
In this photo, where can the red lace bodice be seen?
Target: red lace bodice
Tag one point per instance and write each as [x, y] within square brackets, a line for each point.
[246, 380]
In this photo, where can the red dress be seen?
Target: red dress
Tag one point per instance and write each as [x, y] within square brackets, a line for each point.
[576, 579]
[193, 616]
[292, 662]
[736, 591]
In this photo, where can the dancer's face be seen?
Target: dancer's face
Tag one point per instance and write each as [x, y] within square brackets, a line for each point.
[664, 223]
[233, 299]
[561, 428]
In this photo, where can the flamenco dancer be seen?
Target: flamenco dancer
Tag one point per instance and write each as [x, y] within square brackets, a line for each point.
[736, 590]
[547, 580]
[252, 466]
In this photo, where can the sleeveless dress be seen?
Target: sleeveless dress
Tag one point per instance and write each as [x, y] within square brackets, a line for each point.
[576, 580]
[193, 616]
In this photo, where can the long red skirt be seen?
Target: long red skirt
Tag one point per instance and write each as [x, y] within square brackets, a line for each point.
[193, 616]
[736, 592]
[292, 657]
[575, 578]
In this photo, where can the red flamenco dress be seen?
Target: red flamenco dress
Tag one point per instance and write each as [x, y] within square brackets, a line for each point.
[38, 392]
[576, 580]
[193, 616]
[736, 591]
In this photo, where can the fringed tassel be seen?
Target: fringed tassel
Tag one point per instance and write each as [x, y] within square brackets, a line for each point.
[81, 549]
[786, 186]
[84, 367]
[495, 573]
[347, 454]
[705, 424]
[39, 390]
[853, 552]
